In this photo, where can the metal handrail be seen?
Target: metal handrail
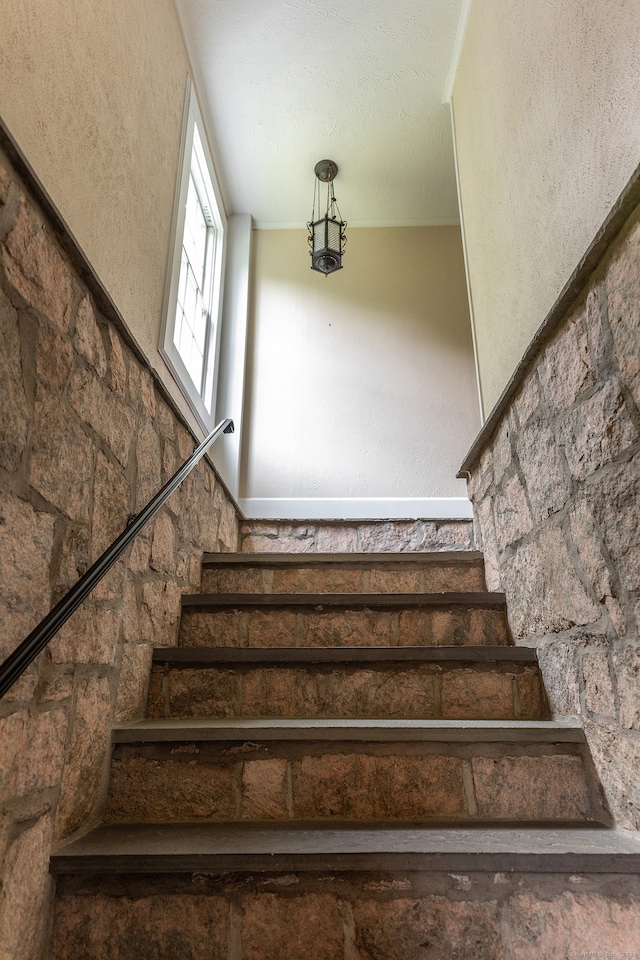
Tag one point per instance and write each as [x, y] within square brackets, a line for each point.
[15, 665]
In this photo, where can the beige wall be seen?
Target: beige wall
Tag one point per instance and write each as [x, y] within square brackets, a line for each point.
[547, 108]
[363, 383]
[93, 92]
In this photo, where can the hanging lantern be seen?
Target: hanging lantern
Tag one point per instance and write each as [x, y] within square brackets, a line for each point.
[326, 235]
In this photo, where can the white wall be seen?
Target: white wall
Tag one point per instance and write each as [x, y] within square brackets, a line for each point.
[547, 118]
[362, 383]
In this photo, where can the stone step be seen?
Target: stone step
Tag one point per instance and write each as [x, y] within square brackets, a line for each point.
[428, 619]
[240, 892]
[306, 848]
[408, 682]
[343, 573]
[310, 770]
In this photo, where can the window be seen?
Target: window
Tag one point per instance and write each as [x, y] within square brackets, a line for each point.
[193, 298]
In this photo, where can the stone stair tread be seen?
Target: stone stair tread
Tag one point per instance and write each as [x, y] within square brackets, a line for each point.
[201, 656]
[305, 846]
[469, 731]
[322, 559]
[345, 600]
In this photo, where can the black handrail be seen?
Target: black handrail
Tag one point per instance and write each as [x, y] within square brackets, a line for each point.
[15, 665]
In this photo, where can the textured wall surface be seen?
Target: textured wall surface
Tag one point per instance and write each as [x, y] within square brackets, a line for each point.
[93, 91]
[362, 536]
[546, 103]
[362, 384]
[85, 440]
[556, 498]
[407, 916]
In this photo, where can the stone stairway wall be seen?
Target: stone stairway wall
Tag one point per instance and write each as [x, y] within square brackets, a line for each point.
[555, 484]
[86, 438]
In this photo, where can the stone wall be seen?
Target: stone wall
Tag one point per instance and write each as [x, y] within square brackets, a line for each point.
[355, 536]
[86, 438]
[556, 495]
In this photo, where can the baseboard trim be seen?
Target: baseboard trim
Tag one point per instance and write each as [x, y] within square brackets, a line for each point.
[356, 508]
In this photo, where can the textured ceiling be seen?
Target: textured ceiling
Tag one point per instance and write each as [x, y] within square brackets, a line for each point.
[285, 83]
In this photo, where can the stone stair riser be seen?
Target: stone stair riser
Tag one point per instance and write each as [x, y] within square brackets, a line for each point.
[308, 781]
[422, 626]
[418, 691]
[482, 916]
[430, 578]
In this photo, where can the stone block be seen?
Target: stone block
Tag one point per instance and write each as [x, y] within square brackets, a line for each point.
[54, 357]
[391, 536]
[148, 460]
[90, 635]
[531, 788]
[616, 756]
[74, 557]
[133, 681]
[598, 688]
[171, 925]
[502, 448]
[228, 528]
[512, 515]
[117, 368]
[205, 693]
[163, 544]
[307, 580]
[31, 751]
[341, 628]
[626, 661]
[362, 786]
[476, 694]
[146, 790]
[600, 340]
[201, 629]
[337, 539]
[26, 544]
[430, 928]
[111, 418]
[530, 696]
[27, 891]
[566, 370]
[623, 296]
[488, 543]
[588, 544]
[35, 269]
[543, 469]
[111, 504]
[528, 399]
[14, 409]
[271, 693]
[544, 593]
[558, 661]
[147, 392]
[597, 431]
[236, 581]
[452, 535]
[58, 438]
[87, 754]
[264, 790]
[404, 693]
[571, 925]
[289, 928]
[268, 628]
[162, 603]
[5, 183]
[87, 337]
[616, 508]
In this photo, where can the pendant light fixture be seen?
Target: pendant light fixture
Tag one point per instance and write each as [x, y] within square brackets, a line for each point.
[326, 235]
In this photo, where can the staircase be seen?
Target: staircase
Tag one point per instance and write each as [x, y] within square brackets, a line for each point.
[346, 758]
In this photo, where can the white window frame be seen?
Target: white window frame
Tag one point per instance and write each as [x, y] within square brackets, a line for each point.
[201, 402]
